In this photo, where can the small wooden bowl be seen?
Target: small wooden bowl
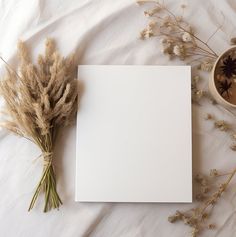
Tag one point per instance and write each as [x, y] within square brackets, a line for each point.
[212, 83]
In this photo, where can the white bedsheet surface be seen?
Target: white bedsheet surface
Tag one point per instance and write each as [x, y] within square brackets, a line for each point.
[104, 32]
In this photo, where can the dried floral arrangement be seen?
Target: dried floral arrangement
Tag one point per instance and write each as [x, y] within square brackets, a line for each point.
[211, 188]
[179, 40]
[177, 36]
[39, 100]
[225, 75]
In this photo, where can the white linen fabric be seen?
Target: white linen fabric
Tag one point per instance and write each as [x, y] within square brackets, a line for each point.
[104, 32]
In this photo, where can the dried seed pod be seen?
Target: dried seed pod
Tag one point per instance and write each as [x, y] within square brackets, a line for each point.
[213, 172]
[222, 125]
[233, 41]
[233, 147]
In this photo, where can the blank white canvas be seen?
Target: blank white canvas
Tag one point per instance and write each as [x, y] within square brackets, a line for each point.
[134, 134]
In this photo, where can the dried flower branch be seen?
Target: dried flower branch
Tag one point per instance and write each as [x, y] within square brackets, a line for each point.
[198, 93]
[225, 127]
[198, 218]
[40, 99]
[177, 36]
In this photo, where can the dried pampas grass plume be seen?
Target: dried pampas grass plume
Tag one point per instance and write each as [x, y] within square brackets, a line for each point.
[40, 99]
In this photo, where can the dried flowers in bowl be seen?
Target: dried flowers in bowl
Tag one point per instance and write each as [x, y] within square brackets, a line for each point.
[39, 100]
[222, 83]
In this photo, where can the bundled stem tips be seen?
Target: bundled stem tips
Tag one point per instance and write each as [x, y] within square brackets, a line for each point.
[41, 98]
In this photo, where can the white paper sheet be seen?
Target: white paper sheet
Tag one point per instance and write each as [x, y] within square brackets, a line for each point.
[130, 146]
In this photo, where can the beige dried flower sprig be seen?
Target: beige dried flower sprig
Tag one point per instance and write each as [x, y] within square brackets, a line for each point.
[40, 99]
[198, 218]
[210, 190]
[177, 36]
[199, 93]
[224, 126]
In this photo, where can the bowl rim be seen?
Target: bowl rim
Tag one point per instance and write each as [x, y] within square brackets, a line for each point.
[213, 75]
